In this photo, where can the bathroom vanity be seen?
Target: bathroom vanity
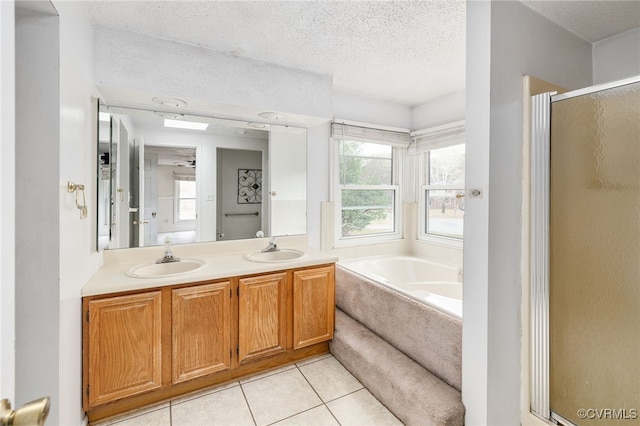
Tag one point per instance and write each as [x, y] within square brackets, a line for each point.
[148, 340]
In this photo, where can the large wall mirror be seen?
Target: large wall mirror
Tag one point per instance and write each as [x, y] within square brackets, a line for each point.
[196, 179]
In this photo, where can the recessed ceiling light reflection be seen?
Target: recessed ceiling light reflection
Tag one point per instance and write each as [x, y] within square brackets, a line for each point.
[170, 102]
[258, 125]
[182, 124]
[271, 115]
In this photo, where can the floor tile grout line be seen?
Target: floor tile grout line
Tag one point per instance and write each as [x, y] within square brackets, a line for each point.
[350, 393]
[309, 383]
[369, 392]
[333, 415]
[334, 399]
[147, 411]
[293, 415]
[268, 374]
[255, 423]
[316, 392]
[212, 391]
[304, 362]
[203, 393]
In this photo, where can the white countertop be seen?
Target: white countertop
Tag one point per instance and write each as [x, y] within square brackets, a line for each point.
[224, 260]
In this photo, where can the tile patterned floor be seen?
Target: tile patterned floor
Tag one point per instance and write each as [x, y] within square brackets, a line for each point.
[318, 391]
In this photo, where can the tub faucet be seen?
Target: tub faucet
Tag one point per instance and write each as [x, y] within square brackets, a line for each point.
[271, 246]
[168, 256]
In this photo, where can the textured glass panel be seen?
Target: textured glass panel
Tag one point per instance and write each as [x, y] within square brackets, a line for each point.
[363, 163]
[445, 213]
[595, 258]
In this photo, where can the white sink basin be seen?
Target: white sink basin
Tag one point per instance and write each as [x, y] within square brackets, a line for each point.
[284, 255]
[161, 270]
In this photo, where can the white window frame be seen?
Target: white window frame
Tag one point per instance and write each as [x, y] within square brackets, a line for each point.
[177, 199]
[439, 137]
[396, 234]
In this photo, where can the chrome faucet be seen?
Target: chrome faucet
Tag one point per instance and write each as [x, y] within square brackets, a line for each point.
[271, 246]
[168, 253]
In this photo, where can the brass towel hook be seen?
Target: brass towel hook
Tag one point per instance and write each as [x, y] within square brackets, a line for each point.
[79, 189]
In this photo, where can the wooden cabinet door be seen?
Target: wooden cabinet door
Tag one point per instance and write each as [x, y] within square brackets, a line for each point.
[262, 316]
[313, 306]
[201, 330]
[125, 350]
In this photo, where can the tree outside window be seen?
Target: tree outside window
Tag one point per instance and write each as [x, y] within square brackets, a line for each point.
[367, 191]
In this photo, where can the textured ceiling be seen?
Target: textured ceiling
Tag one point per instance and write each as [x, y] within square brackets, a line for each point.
[408, 52]
[591, 20]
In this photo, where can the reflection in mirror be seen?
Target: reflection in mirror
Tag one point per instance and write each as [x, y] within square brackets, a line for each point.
[169, 194]
[106, 161]
[196, 179]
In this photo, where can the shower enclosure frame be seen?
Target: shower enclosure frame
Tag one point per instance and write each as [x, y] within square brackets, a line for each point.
[539, 231]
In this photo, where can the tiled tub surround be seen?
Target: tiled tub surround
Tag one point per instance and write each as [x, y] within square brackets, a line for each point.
[406, 353]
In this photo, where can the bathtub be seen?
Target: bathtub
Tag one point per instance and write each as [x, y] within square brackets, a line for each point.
[435, 284]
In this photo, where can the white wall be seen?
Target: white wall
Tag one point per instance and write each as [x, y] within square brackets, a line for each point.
[475, 344]
[287, 183]
[358, 108]
[617, 57]
[154, 67]
[438, 112]
[78, 257]
[518, 41]
[7, 200]
[36, 223]
[317, 178]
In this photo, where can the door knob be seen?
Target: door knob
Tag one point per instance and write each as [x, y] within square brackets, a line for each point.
[31, 413]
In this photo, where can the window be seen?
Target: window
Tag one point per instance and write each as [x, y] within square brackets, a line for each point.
[184, 198]
[442, 197]
[439, 154]
[367, 190]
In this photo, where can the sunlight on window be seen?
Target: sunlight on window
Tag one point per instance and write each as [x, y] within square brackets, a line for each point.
[186, 199]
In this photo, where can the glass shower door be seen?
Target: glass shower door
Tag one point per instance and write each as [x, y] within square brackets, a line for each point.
[594, 262]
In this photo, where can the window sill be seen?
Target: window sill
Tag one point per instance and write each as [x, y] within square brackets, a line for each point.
[361, 241]
[441, 241]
